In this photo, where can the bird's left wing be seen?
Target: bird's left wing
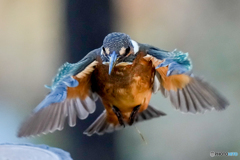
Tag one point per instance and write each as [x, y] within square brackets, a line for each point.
[70, 96]
[187, 92]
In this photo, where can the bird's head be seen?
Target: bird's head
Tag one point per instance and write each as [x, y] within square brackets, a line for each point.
[117, 47]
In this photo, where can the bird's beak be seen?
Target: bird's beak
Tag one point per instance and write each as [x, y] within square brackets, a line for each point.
[113, 61]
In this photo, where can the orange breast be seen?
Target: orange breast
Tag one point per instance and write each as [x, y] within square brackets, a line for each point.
[127, 86]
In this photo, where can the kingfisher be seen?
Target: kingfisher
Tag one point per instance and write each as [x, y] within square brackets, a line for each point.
[123, 74]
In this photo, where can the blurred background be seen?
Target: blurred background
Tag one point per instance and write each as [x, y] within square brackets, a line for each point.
[36, 37]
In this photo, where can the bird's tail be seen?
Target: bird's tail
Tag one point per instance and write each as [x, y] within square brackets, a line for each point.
[101, 125]
[149, 113]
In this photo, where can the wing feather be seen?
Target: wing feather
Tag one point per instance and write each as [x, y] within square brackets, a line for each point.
[187, 92]
[70, 97]
[72, 116]
[81, 111]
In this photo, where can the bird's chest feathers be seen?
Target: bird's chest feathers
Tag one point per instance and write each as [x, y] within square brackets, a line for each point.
[127, 84]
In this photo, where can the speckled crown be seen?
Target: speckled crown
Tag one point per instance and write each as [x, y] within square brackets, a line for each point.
[115, 41]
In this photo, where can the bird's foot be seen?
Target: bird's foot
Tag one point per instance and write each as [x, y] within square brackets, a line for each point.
[119, 115]
[133, 115]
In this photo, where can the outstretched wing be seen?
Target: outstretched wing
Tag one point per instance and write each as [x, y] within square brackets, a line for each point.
[70, 96]
[187, 92]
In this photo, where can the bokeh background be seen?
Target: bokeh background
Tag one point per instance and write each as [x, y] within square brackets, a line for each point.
[36, 37]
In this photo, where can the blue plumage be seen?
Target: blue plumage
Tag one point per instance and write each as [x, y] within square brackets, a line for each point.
[187, 92]
[66, 70]
[70, 69]
[177, 61]
[57, 95]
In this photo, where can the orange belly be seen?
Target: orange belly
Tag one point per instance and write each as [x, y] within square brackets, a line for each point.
[126, 87]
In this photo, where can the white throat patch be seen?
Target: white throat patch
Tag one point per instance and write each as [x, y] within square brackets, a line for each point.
[135, 46]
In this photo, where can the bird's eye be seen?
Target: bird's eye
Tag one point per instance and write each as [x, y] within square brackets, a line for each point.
[103, 49]
[105, 53]
[127, 50]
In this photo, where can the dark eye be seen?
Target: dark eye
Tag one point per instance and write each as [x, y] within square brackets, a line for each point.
[104, 53]
[127, 50]
[103, 49]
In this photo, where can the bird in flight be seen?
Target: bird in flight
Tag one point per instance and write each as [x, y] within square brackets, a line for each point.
[123, 74]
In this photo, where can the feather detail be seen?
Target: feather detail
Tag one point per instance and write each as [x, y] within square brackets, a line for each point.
[87, 70]
[72, 69]
[172, 82]
[71, 97]
[104, 124]
[177, 61]
[187, 93]
[52, 118]
[196, 96]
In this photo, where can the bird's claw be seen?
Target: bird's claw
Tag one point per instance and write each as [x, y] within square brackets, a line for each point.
[119, 115]
[133, 114]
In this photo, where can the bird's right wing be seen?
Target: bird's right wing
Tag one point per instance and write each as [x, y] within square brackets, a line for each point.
[70, 96]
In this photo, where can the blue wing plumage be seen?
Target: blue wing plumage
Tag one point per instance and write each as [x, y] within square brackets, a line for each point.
[70, 69]
[57, 95]
[64, 79]
[177, 61]
[66, 70]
